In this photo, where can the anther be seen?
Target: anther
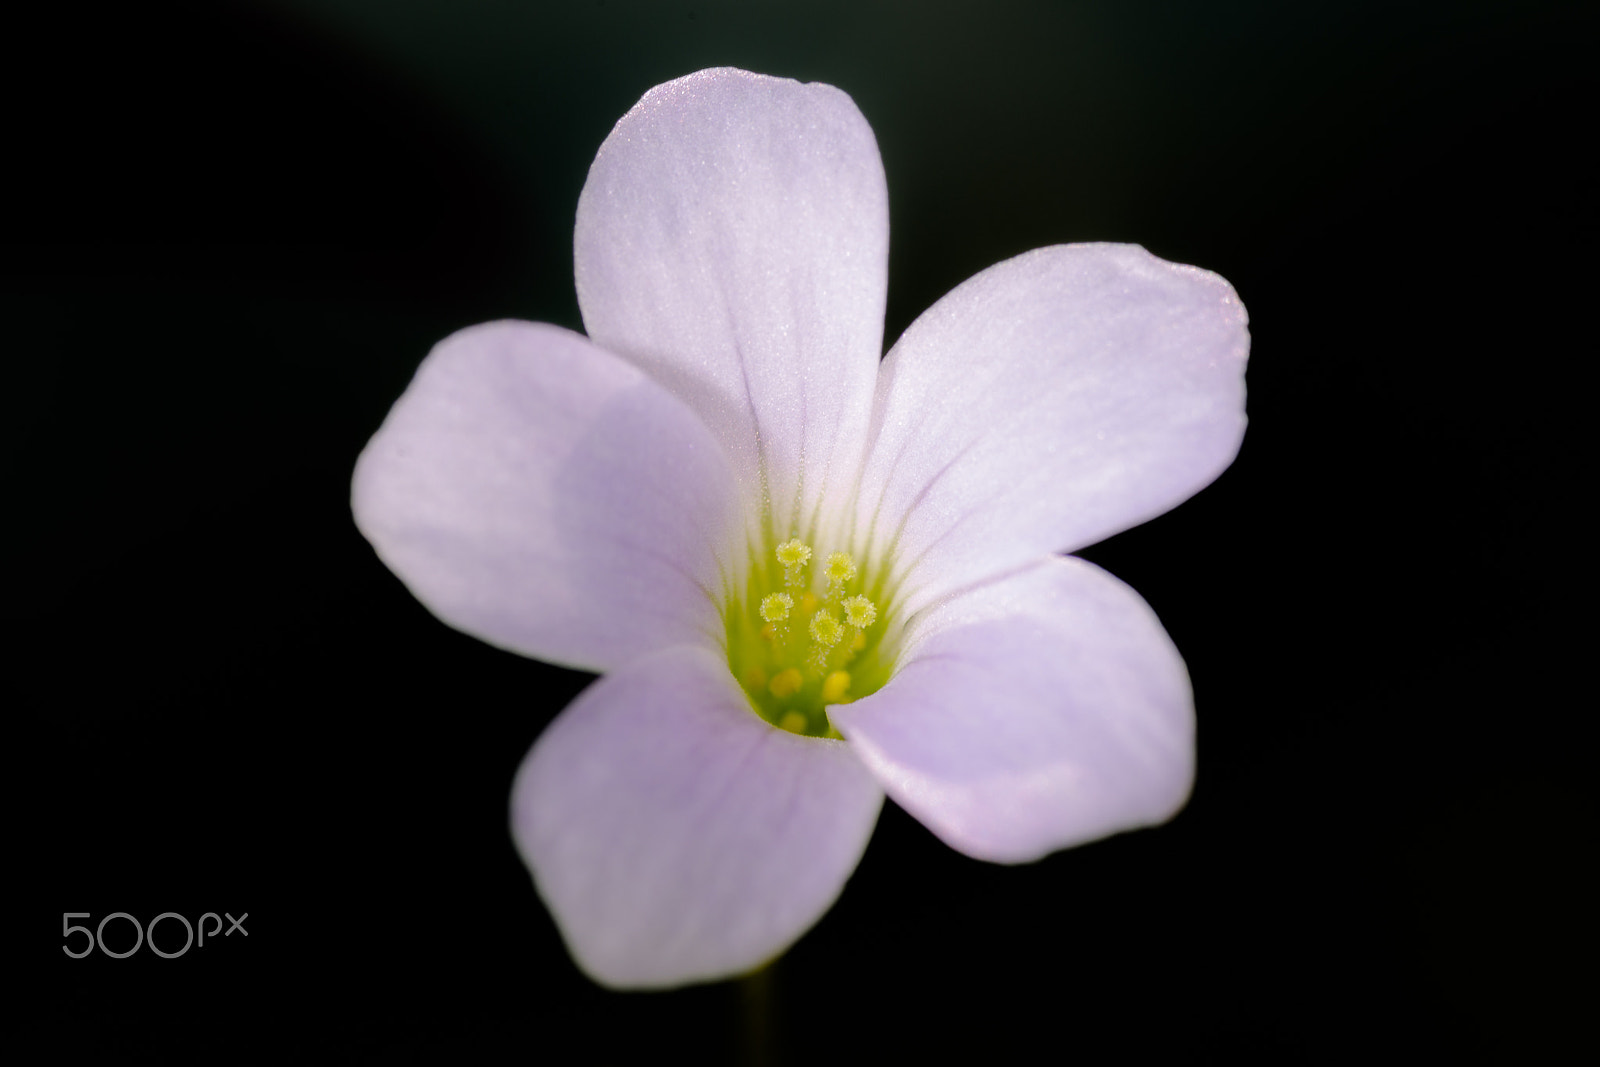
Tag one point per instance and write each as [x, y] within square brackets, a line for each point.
[794, 553]
[826, 629]
[840, 568]
[859, 612]
[836, 688]
[786, 683]
[775, 607]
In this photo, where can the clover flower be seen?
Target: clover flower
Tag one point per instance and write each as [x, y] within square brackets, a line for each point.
[808, 577]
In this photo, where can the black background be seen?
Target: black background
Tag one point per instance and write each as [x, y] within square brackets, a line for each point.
[232, 232]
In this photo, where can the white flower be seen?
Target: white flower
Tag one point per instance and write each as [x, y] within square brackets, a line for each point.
[809, 578]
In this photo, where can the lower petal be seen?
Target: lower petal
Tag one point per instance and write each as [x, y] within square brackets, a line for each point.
[674, 835]
[1040, 711]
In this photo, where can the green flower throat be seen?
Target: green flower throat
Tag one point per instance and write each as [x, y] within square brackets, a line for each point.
[808, 633]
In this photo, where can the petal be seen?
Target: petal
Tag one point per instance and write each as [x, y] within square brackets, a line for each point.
[1047, 403]
[1037, 712]
[732, 240]
[674, 835]
[549, 498]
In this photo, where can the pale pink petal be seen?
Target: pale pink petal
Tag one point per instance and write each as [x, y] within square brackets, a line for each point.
[549, 498]
[732, 239]
[1034, 713]
[1047, 403]
[674, 835]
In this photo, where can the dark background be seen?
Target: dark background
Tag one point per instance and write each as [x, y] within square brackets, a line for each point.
[232, 232]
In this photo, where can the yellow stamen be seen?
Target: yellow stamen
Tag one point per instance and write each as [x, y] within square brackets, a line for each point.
[859, 612]
[826, 629]
[841, 568]
[786, 683]
[802, 640]
[794, 553]
[775, 606]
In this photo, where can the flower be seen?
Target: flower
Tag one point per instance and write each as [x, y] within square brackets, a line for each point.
[808, 578]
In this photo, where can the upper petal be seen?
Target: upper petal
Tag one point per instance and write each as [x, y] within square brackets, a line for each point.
[674, 835]
[1049, 402]
[732, 239]
[550, 498]
[1033, 713]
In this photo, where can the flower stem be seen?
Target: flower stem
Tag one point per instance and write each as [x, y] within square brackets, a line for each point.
[756, 995]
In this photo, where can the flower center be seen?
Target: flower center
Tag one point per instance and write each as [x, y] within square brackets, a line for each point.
[808, 632]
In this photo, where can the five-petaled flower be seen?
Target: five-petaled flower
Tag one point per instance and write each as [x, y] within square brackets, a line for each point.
[808, 577]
